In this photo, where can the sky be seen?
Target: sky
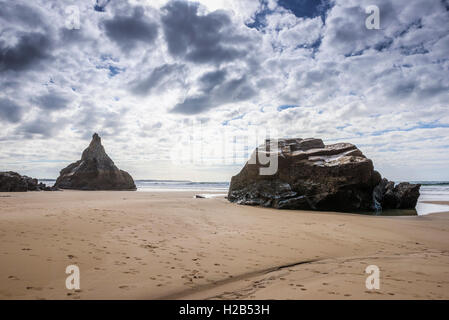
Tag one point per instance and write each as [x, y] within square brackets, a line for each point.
[184, 90]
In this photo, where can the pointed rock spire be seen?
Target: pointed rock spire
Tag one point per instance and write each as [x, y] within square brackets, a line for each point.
[96, 151]
[95, 171]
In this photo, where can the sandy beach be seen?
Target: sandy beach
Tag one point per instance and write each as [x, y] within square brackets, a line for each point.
[168, 245]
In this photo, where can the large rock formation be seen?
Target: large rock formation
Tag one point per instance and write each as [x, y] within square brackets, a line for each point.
[95, 171]
[13, 182]
[314, 176]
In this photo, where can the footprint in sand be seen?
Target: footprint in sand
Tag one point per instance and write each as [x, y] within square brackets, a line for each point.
[34, 288]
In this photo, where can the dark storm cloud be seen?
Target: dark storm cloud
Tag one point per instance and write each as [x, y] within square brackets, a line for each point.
[128, 31]
[193, 105]
[223, 92]
[211, 79]
[200, 38]
[445, 3]
[417, 89]
[29, 51]
[42, 126]
[156, 79]
[10, 111]
[37, 126]
[52, 101]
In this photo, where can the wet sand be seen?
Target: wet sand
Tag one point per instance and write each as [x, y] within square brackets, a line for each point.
[437, 202]
[168, 245]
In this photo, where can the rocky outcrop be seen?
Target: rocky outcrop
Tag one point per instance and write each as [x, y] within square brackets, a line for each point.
[314, 176]
[95, 171]
[402, 196]
[14, 182]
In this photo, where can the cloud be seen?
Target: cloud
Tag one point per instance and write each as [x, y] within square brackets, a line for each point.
[211, 79]
[15, 13]
[129, 31]
[41, 126]
[108, 120]
[208, 38]
[53, 101]
[159, 78]
[10, 111]
[28, 52]
[216, 93]
[346, 33]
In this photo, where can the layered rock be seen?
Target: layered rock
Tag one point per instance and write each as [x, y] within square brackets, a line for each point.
[314, 176]
[13, 182]
[95, 171]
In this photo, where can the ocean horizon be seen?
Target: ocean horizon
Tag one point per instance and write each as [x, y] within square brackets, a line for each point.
[169, 185]
[190, 185]
[430, 190]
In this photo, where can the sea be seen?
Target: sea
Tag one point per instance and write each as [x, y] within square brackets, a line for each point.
[181, 185]
[430, 191]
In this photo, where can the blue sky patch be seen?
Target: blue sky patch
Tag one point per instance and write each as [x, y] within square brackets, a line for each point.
[113, 71]
[300, 8]
[100, 5]
[260, 17]
[226, 122]
[287, 106]
[307, 8]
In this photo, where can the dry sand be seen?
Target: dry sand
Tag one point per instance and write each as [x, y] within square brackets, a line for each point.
[154, 245]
